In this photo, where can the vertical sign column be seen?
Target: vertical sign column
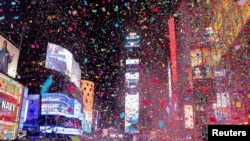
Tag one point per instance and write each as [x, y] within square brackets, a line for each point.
[172, 48]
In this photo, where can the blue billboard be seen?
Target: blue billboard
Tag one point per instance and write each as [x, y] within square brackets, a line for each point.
[60, 107]
[31, 123]
[57, 104]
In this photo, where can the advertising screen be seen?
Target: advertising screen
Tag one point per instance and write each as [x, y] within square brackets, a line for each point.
[222, 108]
[76, 74]
[11, 94]
[87, 121]
[63, 115]
[132, 41]
[33, 112]
[57, 104]
[171, 27]
[131, 113]
[8, 63]
[24, 108]
[189, 116]
[203, 62]
[59, 59]
[61, 130]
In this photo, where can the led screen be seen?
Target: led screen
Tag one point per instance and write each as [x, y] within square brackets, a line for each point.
[131, 113]
[76, 74]
[58, 104]
[87, 122]
[59, 59]
[33, 112]
[132, 41]
[189, 116]
[61, 114]
[222, 108]
[24, 108]
[11, 94]
[11, 67]
[132, 61]
[129, 75]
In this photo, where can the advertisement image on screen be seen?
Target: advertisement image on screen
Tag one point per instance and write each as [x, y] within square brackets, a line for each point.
[33, 112]
[8, 57]
[24, 109]
[57, 103]
[76, 74]
[189, 116]
[59, 59]
[63, 115]
[132, 41]
[87, 122]
[131, 113]
[10, 106]
[60, 104]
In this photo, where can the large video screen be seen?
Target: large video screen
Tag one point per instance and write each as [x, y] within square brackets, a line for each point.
[61, 125]
[59, 59]
[11, 94]
[62, 114]
[8, 58]
[76, 74]
[132, 41]
[87, 122]
[33, 112]
[60, 104]
[24, 109]
[131, 113]
[189, 116]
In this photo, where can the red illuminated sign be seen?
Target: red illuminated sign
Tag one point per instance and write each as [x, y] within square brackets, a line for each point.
[172, 49]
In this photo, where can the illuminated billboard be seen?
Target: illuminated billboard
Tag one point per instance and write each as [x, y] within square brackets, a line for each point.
[59, 59]
[33, 112]
[129, 75]
[76, 74]
[88, 122]
[189, 116]
[11, 94]
[222, 108]
[9, 59]
[171, 28]
[59, 107]
[132, 65]
[60, 104]
[132, 61]
[131, 113]
[203, 61]
[132, 41]
[24, 110]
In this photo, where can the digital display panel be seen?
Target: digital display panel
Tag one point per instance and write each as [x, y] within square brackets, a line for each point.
[131, 113]
[189, 116]
[24, 110]
[59, 59]
[171, 28]
[132, 41]
[62, 114]
[58, 104]
[33, 111]
[11, 56]
[11, 95]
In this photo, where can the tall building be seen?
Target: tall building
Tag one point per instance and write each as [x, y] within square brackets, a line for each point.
[88, 90]
[132, 61]
[209, 79]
